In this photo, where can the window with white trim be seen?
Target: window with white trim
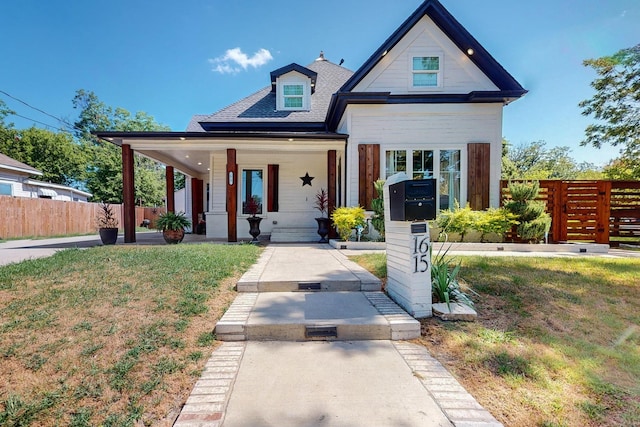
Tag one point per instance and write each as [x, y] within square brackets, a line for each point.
[426, 71]
[396, 161]
[449, 188]
[443, 165]
[293, 96]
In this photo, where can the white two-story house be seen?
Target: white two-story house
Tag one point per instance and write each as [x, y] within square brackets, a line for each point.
[427, 102]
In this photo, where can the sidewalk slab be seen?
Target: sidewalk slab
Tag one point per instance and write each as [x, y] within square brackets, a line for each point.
[364, 383]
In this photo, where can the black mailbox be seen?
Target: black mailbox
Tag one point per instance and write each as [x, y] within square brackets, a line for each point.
[413, 200]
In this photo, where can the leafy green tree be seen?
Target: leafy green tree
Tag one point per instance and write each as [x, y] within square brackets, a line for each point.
[535, 161]
[616, 105]
[56, 154]
[104, 177]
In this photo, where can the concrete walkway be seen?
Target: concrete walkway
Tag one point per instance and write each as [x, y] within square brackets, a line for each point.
[358, 378]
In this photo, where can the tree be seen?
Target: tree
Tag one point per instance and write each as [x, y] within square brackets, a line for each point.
[534, 161]
[104, 177]
[616, 105]
[56, 154]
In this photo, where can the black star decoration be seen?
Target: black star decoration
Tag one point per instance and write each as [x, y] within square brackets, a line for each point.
[306, 179]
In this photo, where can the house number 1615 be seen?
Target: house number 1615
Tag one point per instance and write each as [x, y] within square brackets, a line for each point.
[420, 254]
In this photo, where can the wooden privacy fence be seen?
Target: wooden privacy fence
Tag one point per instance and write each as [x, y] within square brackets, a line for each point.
[588, 210]
[22, 217]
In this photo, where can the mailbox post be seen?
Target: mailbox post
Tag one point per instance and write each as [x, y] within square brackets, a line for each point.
[408, 205]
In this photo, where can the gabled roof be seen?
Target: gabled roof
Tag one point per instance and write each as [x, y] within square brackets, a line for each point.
[458, 35]
[294, 67]
[257, 112]
[13, 165]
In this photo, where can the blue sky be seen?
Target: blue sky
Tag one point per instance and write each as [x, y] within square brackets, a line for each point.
[173, 59]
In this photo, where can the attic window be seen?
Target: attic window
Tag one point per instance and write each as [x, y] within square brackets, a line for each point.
[293, 93]
[427, 71]
[293, 96]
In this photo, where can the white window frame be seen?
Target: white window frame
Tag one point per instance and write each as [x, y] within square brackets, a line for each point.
[286, 97]
[293, 79]
[439, 73]
[436, 149]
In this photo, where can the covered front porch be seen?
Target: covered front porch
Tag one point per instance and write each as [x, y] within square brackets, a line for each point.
[281, 172]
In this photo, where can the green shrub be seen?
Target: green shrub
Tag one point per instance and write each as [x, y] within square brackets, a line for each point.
[377, 204]
[493, 220]
[346, 219]
[459, 220]
[533, 221]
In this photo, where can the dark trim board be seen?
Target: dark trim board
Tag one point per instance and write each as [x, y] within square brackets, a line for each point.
[341, 100]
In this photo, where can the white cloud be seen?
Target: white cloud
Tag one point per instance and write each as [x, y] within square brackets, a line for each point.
[234, 60]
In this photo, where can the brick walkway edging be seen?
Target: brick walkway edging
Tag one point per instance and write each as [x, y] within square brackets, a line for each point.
[458, 405]
[208, 401]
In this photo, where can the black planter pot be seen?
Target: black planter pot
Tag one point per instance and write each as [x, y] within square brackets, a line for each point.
[108, 235]
[323, 229]
[254, 227]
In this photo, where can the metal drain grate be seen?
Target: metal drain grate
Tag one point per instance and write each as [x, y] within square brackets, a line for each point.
[321, 332]
[309, 286]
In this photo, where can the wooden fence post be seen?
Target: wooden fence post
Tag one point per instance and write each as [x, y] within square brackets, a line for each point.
[603, 212]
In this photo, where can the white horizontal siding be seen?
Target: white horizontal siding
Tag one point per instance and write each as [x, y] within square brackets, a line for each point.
[433, 126]
[393, 72]
[295, 202]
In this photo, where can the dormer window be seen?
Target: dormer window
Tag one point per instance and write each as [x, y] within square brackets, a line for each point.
[293, 96]
[293, 86]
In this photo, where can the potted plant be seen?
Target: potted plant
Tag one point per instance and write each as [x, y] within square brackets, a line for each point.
[321, 204]
[172, 225]
[251, 207]
[107, 224]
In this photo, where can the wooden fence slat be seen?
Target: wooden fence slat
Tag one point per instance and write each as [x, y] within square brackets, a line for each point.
[22, 217]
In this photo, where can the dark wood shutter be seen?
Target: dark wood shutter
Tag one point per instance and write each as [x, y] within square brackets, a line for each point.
[368, 172]
[479, 174]
[272, 188]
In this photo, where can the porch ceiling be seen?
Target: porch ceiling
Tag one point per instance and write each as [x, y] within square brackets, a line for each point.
[190, 154]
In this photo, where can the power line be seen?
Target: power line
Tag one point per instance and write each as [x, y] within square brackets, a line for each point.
[64, 122]
[42, 123]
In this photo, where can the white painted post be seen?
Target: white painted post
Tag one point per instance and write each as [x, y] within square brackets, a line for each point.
[408, 260]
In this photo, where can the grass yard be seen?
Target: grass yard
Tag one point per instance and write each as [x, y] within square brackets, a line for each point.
[111, 336]
[556, 343]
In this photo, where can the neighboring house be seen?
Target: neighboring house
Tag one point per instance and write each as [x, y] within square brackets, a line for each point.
[428, 102]
[15, 181]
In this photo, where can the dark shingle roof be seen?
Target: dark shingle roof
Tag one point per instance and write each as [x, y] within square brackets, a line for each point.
[261, 106]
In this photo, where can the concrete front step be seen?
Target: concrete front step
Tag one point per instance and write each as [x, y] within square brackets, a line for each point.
[294, 234]
[305, 286]
[300, 316]
[288, 268]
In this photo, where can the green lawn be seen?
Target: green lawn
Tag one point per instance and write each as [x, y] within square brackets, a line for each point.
[556, 343]
[112, 335]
